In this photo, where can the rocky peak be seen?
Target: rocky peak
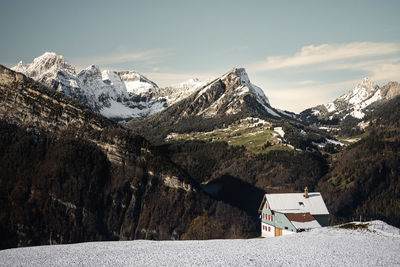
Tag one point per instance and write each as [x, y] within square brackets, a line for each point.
[137, 83]
[45, 65]
[362, 91]
[390, 90]
[229, 95]
[238, 79]
[353, 103]
[177, 92]
[90, 72]
[117, 95]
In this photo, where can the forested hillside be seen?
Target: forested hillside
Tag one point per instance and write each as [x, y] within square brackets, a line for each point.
[365, 178]
[361, 179]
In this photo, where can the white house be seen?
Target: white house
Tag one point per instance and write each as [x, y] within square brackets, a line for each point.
[289, 213]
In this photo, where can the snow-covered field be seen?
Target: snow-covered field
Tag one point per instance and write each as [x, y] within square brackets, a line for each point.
[331, 246]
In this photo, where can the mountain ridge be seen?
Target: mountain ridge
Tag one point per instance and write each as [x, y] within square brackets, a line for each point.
[114, 94]
[225, 99]
[121, 95]
[354, 104]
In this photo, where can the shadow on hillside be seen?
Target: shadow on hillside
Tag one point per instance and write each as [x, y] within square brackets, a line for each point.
[236, 192]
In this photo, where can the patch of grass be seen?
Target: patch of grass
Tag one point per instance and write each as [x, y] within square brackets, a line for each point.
[342, 182]
[256, 138]
[352, 139]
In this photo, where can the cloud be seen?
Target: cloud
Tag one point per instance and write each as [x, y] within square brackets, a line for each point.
[378, 70]
[385, 72]
[165, 79]
[324, 53]
[297, 97]
[146, 56]
[313, 63]
[306, 82]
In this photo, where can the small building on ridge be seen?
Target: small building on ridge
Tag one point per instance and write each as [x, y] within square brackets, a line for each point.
[288, 213]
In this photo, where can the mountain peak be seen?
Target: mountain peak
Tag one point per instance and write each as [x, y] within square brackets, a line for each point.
[49, 60]
[366, 83]
[239, 77]
[41, 66]
[353, 102]
[240, 73]
[119, 95]
[362, 91]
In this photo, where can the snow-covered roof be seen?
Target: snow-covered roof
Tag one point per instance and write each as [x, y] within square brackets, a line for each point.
[306, 225]
[314, 204]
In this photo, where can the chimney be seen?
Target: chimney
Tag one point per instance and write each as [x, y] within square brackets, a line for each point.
[306, 192]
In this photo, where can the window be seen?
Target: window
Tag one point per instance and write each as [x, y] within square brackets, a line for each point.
[266, 205]
[269, 216]
[286, 227]
[269, 229]
[272, 218]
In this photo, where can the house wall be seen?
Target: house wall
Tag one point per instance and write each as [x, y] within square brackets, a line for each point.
[267, 230]
[266, 215]
[323, 220]
[282, 222]
[277, 219]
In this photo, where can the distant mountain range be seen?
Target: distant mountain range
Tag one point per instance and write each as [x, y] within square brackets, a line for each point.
[128, 94]
[363, 98]
[123, 95]
[118, 95]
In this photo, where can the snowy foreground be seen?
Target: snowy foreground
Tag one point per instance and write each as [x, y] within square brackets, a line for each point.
[378, 245]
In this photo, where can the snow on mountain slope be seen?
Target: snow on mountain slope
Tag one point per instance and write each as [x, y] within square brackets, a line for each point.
[365, 93]
[229, 94]
[128, 94]
[118, 95]
[353, 103]
[378, 245]
[138, 84]
[176, 93]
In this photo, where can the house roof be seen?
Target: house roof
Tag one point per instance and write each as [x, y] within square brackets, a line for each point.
[306, 225]
[296, 202]
[302, 220]
[300, 217]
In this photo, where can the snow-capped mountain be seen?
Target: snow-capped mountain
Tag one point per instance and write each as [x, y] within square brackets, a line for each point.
[118, 95]
[230, 94]
[123, 95]
[354, 103]
[220, 102]
[176, 93]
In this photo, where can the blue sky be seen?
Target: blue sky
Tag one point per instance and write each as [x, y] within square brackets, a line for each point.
[301, 53]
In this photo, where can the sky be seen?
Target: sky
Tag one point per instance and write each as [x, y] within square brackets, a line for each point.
[301, 53]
